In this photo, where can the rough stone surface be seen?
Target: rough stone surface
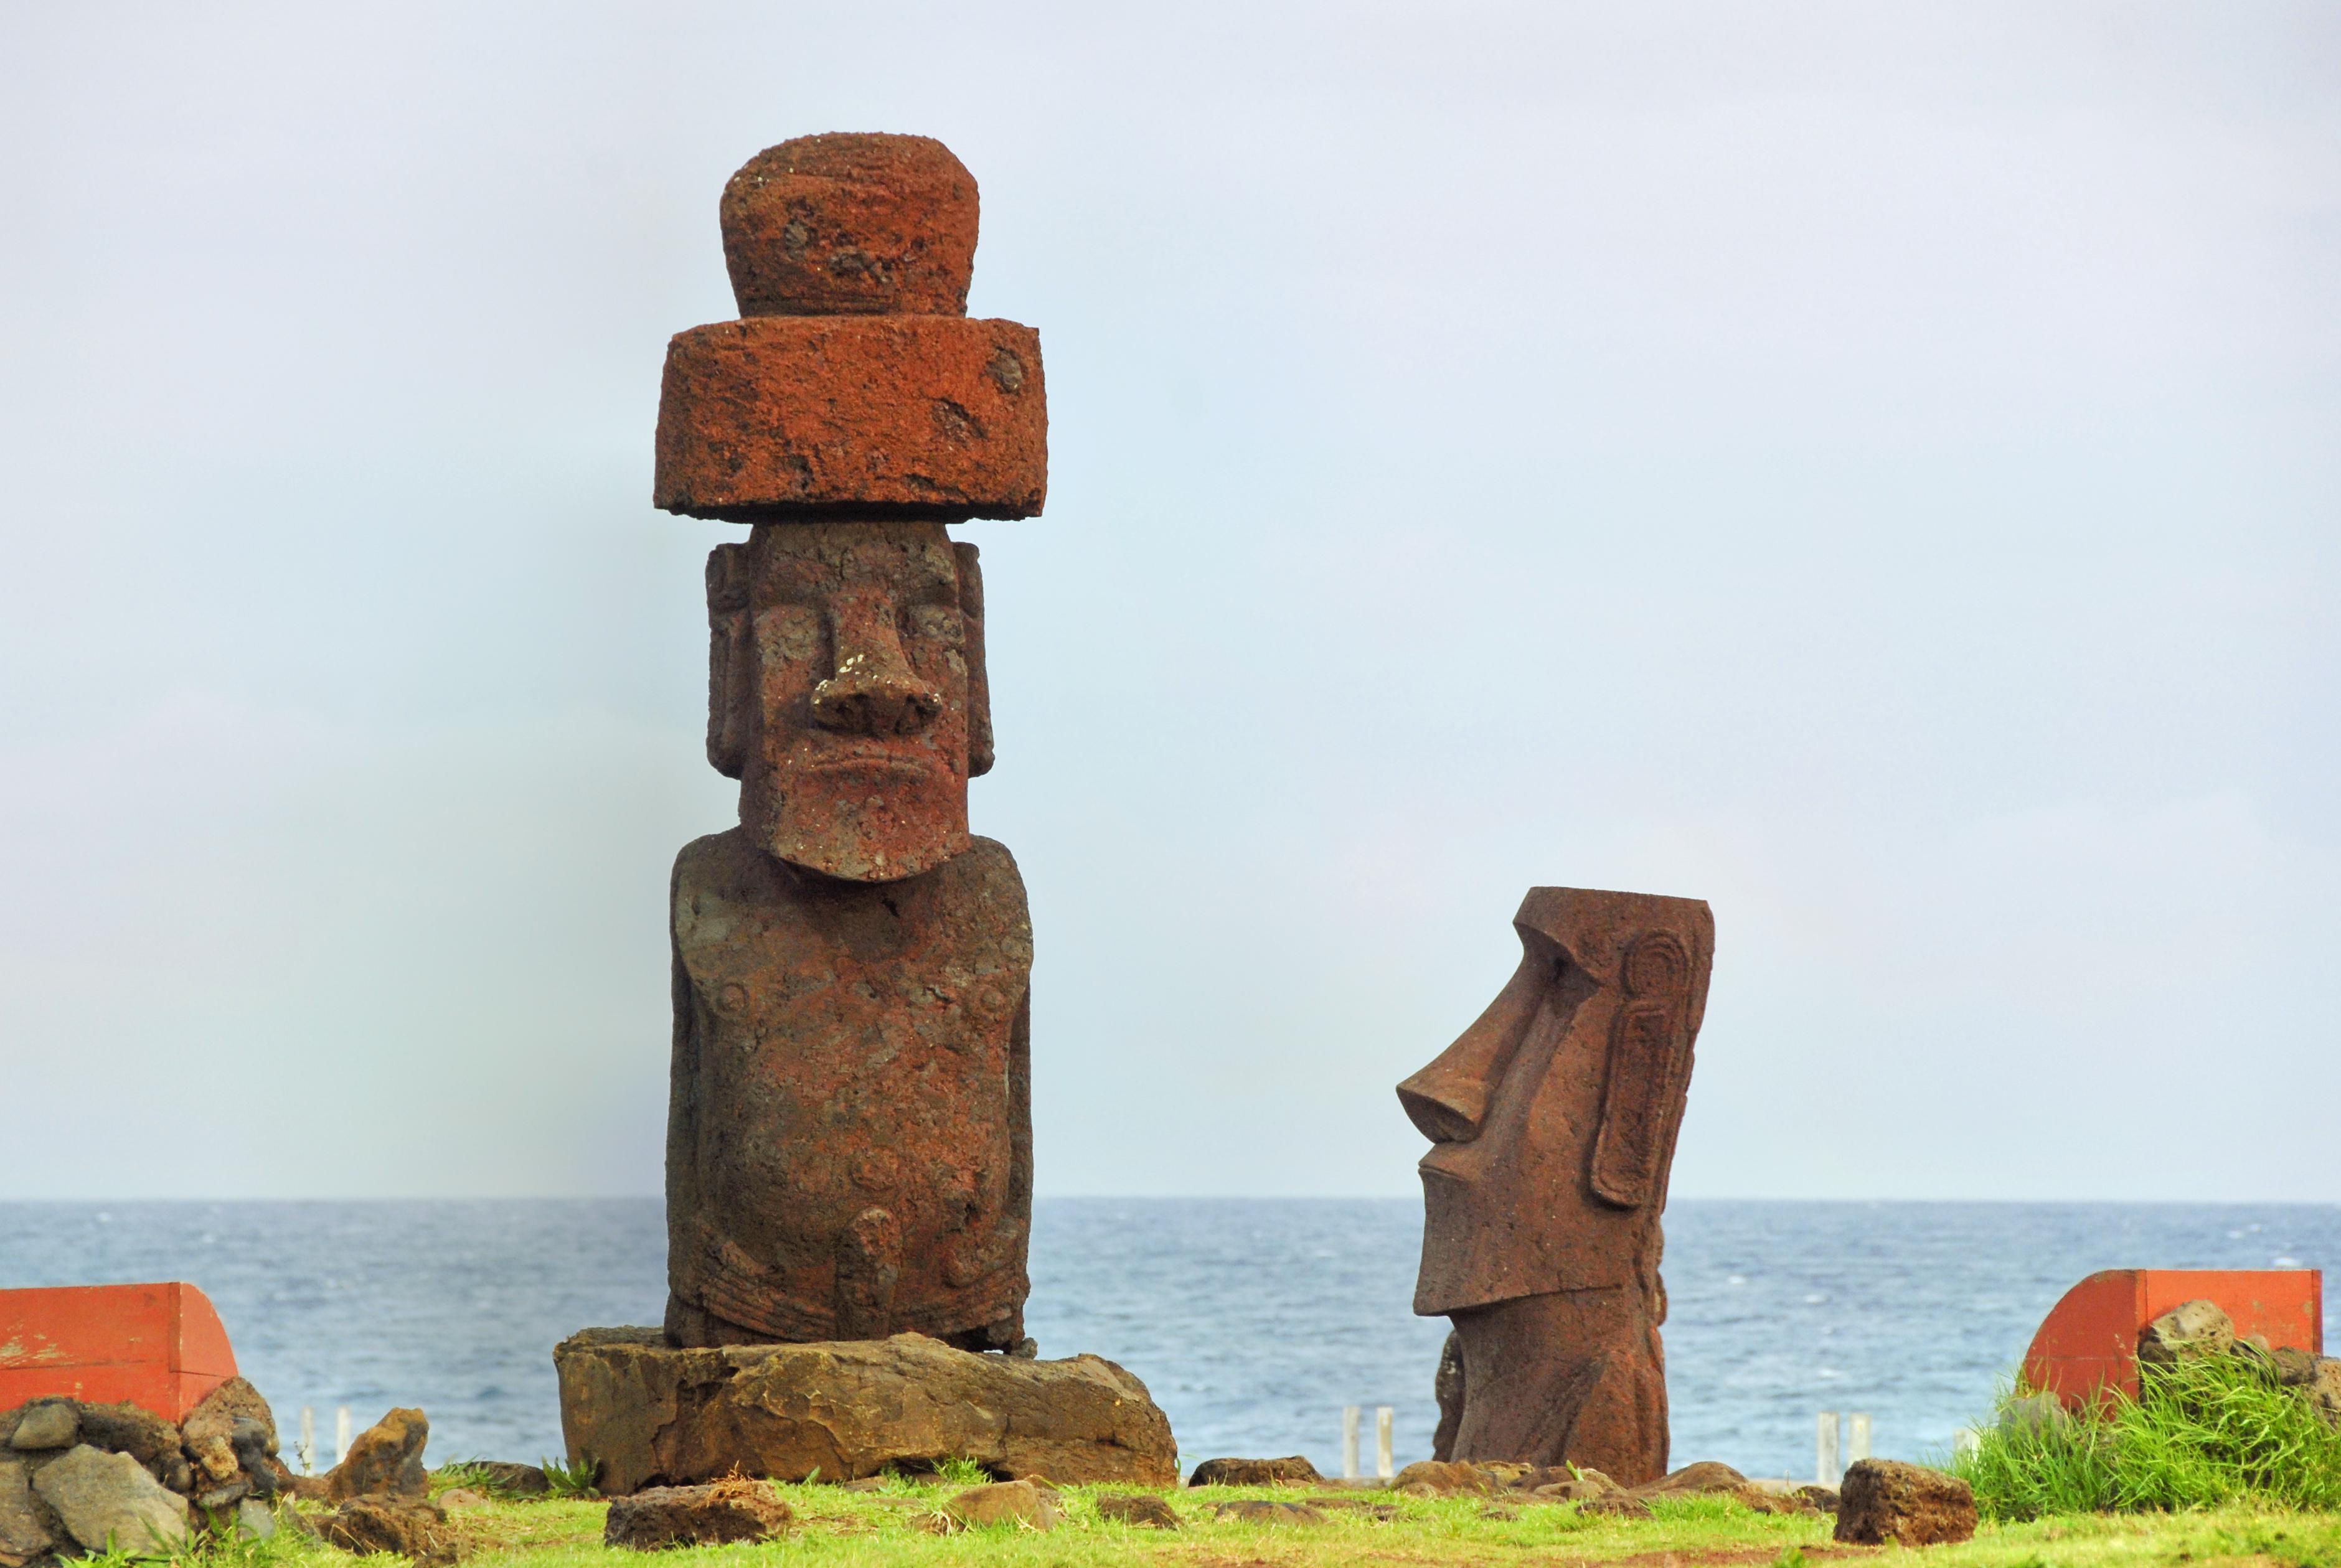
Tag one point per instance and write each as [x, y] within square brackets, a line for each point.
[1884, 1500]
[1263, 1511]
[385, 1460]
[1563, 1100]
[2324, 1389]
[457, 1498]
[28, 1528]
[1141, 1508]
[1016, 1503]
[127, 1428]
[406, 1526]
[651, 1414]
[846, 224]
[54, 1424]
[2190, 1328]
[851, 905]
[108, 1499]
[513, 1480]
[211, 1436]
[1439, 1478]
[1706, 1475]
[797, 417]
[711, 1515]
[1619, 1505]
[1292, 1471]
[255, 1520]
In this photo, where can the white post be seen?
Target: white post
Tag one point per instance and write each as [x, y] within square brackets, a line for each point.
[1857, 1444]
[307, 1448]
[1826, 1465]
[1383, 1467]
[1349, 1442]
[341, 1433]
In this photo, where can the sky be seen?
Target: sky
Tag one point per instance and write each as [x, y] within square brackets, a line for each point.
[1869, 467]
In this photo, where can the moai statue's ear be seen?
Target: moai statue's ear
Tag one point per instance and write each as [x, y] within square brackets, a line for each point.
[978, 681]
[729, 668]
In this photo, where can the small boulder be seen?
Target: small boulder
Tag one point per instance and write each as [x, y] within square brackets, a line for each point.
[1295, 1470]
[1691, 1480]
[406, 1526]
[2292, 1368]
[1763, 1500]
[385, 1460]
[255, 1520]
[131, 1429]
[211, 1436]
[1262, 1511]
[53, 1423]
[1017, 1502]
[2190, 1328]
[1824, 1499]
[2323, 1390]
[1441, 1478]
[719, 1512]
[1138, 1508]
[457, 1497]
[1618, 1505]
[27, 1528]
[1884, 1500]
[506, 1479]
[108, 1500]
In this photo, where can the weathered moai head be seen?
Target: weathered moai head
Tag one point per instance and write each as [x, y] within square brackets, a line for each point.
[1553, 1116]
[846, 692]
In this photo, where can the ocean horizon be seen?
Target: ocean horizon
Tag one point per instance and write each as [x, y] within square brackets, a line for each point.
[1252, 1321]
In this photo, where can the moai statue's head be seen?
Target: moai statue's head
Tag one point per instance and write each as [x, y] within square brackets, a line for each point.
[1553, 1116]
[846, 692]
[851, 412]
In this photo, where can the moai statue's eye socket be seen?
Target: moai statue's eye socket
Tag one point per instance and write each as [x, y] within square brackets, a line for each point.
[788, 634]
[940, 623]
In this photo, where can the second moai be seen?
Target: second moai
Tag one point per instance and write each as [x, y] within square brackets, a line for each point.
[848, 1143]
[1553, 1120]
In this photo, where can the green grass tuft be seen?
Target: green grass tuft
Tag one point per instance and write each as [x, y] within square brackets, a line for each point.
[570, 1480]
[2206, 1431]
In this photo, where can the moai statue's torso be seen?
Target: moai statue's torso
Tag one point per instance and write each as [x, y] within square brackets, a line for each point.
[849, 1149]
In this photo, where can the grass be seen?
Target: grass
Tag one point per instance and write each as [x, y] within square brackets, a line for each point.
[886, 1529]
[2206, 1433]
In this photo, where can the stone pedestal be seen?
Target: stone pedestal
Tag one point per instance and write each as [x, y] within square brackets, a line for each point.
[652, 1416]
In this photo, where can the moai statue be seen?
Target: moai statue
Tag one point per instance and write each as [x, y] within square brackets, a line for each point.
[849, 1142]
[1553, 1119]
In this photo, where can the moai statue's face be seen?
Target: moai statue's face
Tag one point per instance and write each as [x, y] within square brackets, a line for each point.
[846, 692]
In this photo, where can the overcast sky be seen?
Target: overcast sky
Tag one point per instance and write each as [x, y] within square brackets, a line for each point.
[1871, 467]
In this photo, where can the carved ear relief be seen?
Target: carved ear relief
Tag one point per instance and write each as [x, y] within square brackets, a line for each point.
[727, 664]
[980, 754]
[1639, 1098]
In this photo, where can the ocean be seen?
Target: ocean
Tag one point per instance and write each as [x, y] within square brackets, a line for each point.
[1252, 1321]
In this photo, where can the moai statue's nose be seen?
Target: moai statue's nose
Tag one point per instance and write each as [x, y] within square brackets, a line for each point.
[875, 690]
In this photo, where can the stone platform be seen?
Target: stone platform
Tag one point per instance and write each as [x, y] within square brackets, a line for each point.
[653, 1415]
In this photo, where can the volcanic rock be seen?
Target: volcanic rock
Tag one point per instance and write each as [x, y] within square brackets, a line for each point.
[1138, 1508]
[507, 1479]
[1437, 1478]
[1884, 1500]
[384, 1461]
[726, 1511]
[2190, 1328]
[108, 1500]
[27, 1528]
[1016, 1503]
[408, 1526]
[210, 1434]
[1295, 1470]
[53, 1424]
[655, 1415]
[1707, 1475]
[1263, 1511]
[131, 1429]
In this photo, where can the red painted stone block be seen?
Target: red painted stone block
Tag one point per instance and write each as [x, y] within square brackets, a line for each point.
[160, 1346]
[2088, 1341]
[941, 418]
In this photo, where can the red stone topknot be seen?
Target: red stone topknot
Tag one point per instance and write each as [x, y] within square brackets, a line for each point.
[849, 224]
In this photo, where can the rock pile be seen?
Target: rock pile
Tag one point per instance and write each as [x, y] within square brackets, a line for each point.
[1505, 1484]
[78, 1477]
[2200, 1328]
